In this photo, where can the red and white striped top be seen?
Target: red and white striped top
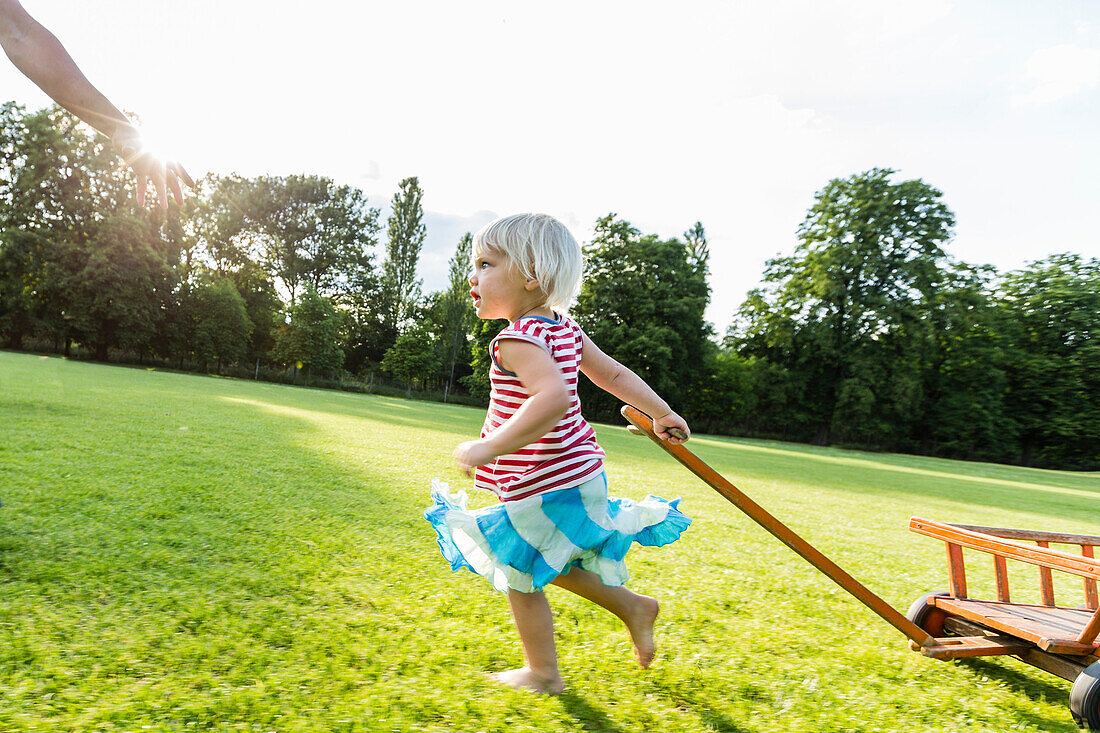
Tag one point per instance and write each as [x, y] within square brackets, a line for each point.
[566, 456]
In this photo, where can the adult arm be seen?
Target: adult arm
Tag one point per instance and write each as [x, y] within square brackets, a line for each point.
[36, 52]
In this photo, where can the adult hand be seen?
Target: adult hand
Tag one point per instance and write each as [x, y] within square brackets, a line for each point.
[662, 425]
[165, 175]
[471, 454]
[40, 56]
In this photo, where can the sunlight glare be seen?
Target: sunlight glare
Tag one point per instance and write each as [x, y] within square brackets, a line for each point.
[154, 142]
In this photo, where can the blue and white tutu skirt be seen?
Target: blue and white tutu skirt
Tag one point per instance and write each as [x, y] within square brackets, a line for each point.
[524, 544]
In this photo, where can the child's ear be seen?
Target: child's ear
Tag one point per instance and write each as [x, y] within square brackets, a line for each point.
[531, 285]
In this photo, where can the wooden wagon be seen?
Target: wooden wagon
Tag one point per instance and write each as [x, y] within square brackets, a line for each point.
[1061, 640]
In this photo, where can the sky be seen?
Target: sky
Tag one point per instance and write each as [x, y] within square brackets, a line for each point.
[730, 113]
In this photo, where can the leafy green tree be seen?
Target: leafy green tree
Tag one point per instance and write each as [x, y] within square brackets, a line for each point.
[456, 315]
[381, 305]
[405, 233]
[482, 335]
[643, 302]
[310, 231]
[1052, 318]
[412, 357]
[121, 292]
[370, 327]
[220, 233]
[838, 310]
[311, 339]
[33, 182]
[218, 225]
[963, 365]
[221, 326]
[62, 199]
[20, 271]
[720, 394]
[262, 307]
[695, 239]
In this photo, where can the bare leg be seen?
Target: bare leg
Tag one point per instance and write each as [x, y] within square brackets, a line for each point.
[535, 625]
[638, 612]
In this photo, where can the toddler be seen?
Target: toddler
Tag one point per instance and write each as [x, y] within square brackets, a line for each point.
[555, 523]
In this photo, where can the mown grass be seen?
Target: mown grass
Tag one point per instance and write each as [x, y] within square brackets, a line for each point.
[189, 553]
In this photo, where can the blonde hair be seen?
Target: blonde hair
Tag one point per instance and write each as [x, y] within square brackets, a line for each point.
[542, 249]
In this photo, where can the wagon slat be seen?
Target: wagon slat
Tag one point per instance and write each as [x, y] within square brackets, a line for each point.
[1090, 585]
[1046, 579]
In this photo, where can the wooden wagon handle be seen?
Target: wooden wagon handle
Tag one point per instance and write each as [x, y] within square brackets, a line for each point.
[780, 531]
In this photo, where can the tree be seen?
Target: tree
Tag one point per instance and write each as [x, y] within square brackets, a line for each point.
[20, 271]
[482, 335]
[643, 302]
[412, 357]
[1052, 318]
[381, 305]
[40, 171]
[310, 231]
[311, 339]
[869, 260]
[262, 307]
[224, 236]
[221, 327]
[65, 211]
[456, 314]
[217, 222]
[963, 364]
[405, 233]
[120, 294]
[695, 239]
[370, 328]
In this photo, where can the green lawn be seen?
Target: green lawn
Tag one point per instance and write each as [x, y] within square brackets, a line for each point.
[189, 553]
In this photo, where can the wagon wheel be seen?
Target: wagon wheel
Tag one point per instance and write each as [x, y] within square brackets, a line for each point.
[927, 616]
[1084, 698]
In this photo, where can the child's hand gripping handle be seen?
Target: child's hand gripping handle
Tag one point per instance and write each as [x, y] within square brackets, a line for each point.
[674, 432]
[642, 424]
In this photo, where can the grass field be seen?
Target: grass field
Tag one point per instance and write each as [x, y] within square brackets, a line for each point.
[192, 553]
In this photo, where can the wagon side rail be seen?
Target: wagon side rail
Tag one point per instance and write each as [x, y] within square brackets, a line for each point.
[1087, 543]
[1006, 544]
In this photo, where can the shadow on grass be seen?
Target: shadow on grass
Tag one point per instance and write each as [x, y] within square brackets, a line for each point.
[681, 697]
[590, 718]
[597, 721]
[1034, 686]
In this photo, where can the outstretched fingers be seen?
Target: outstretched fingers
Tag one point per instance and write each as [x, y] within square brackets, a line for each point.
[173, 171]
[157, 174]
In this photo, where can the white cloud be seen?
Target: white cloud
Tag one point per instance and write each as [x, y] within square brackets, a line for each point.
[1059, 72]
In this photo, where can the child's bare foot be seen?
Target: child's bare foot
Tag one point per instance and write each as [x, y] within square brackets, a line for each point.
[525, 678]
[640, 626]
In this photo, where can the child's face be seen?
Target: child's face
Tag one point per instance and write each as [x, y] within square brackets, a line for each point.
[498, 288]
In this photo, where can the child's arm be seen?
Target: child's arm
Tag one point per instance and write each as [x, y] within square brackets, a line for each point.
[546, 405]
[611, 376]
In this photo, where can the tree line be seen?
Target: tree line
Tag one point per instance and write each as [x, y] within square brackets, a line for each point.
[869, 334]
